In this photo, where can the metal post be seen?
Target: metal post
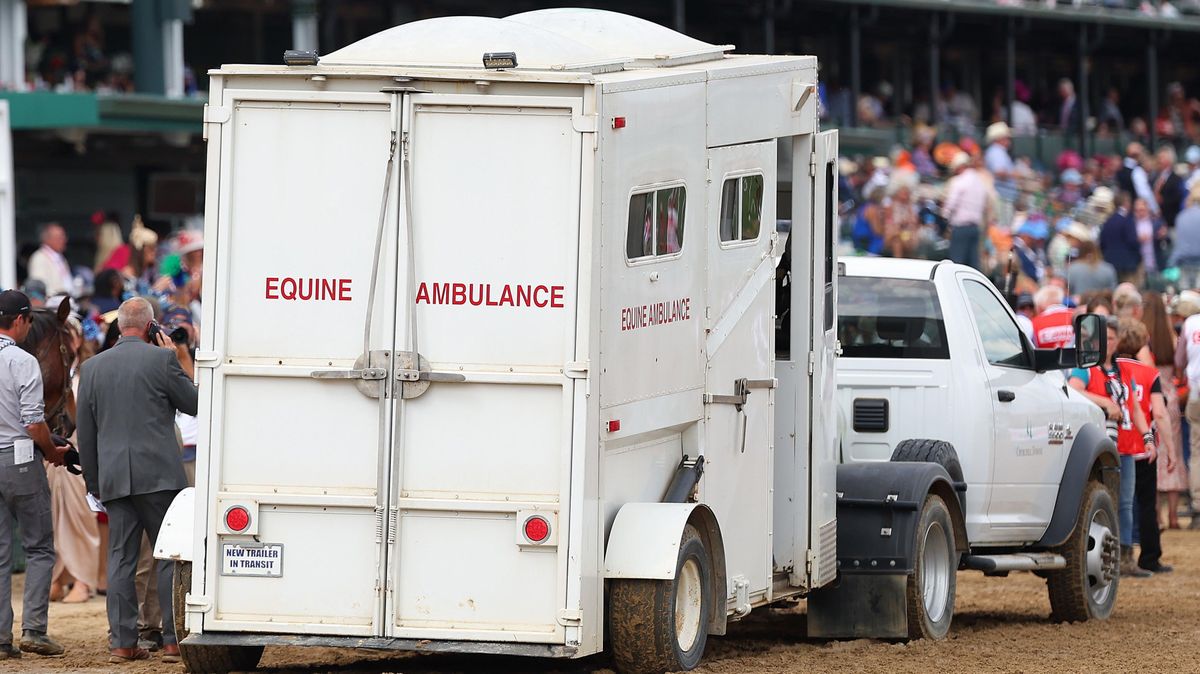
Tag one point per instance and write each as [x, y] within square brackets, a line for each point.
[12, 44]
[1081, 92]
[768, 26]
[1152, 86]
[8, 226]
[935, 57]
[1010, 71]
[149, 70]
[855, 64]
[304, 25]
[680, 14]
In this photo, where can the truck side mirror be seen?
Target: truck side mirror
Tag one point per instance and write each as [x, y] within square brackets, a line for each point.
[1091, 337]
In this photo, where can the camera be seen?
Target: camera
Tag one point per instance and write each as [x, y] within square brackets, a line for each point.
[179, 335]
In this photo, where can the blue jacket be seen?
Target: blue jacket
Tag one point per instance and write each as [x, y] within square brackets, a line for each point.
[1119, 242]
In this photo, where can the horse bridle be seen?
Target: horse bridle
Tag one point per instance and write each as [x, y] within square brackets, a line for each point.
[57, 416]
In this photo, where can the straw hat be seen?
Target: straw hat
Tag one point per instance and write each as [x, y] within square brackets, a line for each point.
[1186, 304]
[960, 160]
[1079, 231]
[997, 131]
[141, 236]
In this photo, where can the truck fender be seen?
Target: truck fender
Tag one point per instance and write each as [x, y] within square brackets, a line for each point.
[1093, 456]
[175, 537]
[644, 543]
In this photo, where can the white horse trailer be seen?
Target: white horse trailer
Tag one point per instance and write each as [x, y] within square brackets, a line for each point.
[498, 349]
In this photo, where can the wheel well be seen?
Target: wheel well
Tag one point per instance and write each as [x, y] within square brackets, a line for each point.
[705, 522]
[1106, 471]
[946, 491]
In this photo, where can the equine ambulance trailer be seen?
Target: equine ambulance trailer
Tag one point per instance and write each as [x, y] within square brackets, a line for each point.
[499, 350]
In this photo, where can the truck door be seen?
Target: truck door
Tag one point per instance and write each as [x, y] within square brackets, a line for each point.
[294, 462]
[489, 260]
[1026, 461]
[739, 326]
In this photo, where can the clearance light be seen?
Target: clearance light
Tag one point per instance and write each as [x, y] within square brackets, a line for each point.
[237, 518]
[614, 425]
[618, 122]
[500, 60]
[537, 529]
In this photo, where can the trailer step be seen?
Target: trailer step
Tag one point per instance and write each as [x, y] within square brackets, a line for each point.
[1022, 561]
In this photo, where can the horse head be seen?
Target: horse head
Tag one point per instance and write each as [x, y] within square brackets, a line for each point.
[49, 340]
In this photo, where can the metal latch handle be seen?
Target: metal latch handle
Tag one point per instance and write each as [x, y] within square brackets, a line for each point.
[366, 374]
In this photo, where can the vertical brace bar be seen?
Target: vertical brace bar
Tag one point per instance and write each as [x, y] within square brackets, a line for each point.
[1152, 86]
[855, 63]
[1010, 70]
[935, 57]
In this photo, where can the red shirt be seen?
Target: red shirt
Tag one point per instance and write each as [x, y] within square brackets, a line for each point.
[1130, 378]
[1053, 328]
[1146, 378]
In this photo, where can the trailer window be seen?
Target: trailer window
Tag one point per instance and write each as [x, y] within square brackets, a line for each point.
[890, 318]
[656, 223]
[741, 208]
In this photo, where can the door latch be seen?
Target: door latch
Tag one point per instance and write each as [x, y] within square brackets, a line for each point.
[370, 373]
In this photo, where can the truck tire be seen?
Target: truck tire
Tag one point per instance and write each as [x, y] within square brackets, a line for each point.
[662, 625]
[1087, 588]
[931, 451]
[931, 586]
[205, 659]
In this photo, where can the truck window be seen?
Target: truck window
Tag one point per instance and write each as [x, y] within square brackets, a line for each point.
[999, 332]
[741, 208]
[890, 318]
[656, 223]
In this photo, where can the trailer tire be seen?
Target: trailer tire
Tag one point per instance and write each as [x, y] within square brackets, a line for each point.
[931, 451]
[931, 586]
[662, 625]
[205, 659]
[1079, 592]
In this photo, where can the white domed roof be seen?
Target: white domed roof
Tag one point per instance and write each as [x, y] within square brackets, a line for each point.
[620, 35]
[461, 41]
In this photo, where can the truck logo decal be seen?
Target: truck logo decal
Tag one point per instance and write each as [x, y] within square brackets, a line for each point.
[659, 313]
[488, 295]
[308, 289]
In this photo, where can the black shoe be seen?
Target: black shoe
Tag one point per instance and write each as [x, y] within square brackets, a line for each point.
[8, 652]
[1160, 568]
[36, 642]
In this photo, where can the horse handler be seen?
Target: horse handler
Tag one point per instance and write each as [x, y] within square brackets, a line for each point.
[23, 487]
[128, 397]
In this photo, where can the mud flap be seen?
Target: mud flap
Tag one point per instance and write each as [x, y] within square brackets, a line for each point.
[860, 605]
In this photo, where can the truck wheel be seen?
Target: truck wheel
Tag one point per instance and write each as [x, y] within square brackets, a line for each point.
[662, 625]
[205, 659]
[1087, 588]
[930, 593]
[930, 451]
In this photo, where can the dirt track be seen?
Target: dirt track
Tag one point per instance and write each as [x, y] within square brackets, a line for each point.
[1001, 625]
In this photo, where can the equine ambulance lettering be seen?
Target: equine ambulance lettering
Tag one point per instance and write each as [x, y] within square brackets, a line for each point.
[308, 289]
[659, 313]
[491, 295]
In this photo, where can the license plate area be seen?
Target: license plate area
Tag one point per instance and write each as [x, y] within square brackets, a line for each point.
[262, 560]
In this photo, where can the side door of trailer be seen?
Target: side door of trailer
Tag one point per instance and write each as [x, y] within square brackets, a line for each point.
[739, 345]
[489, 270]
[296, 216]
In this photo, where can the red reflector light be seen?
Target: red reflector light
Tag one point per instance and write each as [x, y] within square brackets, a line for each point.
[618, 122]
[614, 425]
[537, 529]
[237, 518]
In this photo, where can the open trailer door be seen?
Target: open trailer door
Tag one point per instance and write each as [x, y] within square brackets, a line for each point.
[295, 451]
[483, 441]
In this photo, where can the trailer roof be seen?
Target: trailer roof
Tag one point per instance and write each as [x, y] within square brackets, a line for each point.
[570, 39]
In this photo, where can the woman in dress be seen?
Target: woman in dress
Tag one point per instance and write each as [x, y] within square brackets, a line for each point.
[1162, 355]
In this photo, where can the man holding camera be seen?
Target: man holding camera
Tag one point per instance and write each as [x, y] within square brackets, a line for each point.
[127, 401]
[24, 492]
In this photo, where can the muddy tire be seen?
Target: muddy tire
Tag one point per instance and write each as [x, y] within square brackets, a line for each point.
[1087, 588]
[205, 659]
[662, 625]
[930, 591]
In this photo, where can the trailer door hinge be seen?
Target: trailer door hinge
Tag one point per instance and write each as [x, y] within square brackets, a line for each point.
[810, 558]
[576, 370]
[569, 616]
[812, 165]
[812, 363]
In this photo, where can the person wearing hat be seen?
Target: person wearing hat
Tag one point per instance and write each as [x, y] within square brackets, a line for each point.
[1029, 245]
[24, 493]
[968, 196]
[1026, 310]
[1186, 253]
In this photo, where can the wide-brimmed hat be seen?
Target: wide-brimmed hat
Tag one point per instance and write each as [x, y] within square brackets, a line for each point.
[960, 160]
[997, 131]
[1079, 231]
[1186, 304]
[189, 241]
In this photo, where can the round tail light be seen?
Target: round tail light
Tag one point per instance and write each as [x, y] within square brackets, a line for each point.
[237, 518]
[537, 529]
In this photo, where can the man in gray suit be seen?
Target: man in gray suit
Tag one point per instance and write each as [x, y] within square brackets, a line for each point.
[127, 400]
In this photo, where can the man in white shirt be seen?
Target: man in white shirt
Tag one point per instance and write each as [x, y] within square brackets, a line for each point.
[1187, 359]
[966, 208]
[47, 263]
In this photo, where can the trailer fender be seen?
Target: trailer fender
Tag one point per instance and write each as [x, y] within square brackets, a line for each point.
[1093, 456]
[175, 537]
[644, 543]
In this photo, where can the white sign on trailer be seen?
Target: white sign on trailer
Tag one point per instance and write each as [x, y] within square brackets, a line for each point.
[8, 233]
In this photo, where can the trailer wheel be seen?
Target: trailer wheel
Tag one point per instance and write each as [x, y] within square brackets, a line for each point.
[205, 659]
[930, 591]
[662, 625]
[1087, 588]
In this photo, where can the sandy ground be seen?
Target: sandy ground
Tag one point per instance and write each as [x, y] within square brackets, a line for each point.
[1000, 626]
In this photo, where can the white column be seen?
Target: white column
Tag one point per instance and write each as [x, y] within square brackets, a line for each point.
[173, 57]
[8, 228]
[12, 44]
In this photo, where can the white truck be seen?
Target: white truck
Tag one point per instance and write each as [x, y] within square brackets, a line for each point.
[934, 368]
[491, 358]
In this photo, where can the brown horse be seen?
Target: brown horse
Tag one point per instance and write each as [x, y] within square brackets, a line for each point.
[49, 341]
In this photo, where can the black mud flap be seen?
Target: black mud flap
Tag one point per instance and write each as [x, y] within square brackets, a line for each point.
[879, 505]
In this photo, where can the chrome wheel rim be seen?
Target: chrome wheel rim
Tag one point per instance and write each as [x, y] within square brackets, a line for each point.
[935, 572]
[1102, 557]
[689, 598]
